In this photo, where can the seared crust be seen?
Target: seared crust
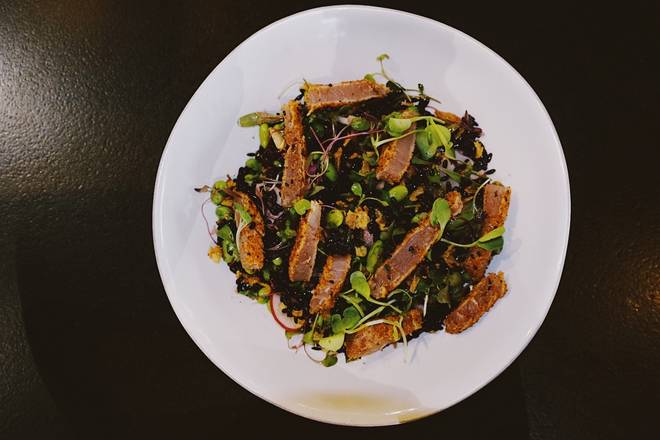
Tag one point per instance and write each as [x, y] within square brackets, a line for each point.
[250, 240]
[334, 274]
[376, 337]
[303, 255]
[477, 262]
[403, 260]
[455, 202]
[294, 177]
[449, 257]
[448, 116]
[496, 208]
[395, 158]
[294, 133]
[348, 92]
[482, 297]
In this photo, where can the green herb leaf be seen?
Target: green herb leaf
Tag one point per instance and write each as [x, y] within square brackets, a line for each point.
[494, 245]
[442, 133]
[351, 317]
[492, 240]
[331, 172]
[424, 145]
[398, 192]
[333, 342]
[370, 77]
[449, 151]
[336, 323]
[497, 232]
[442, 136]
[374, 255]
[242, 212]
[382, 57]
[359, 283]
[341, 323]
[417, 161]
[329, 360]
[355, 301]
[453, 175]
[316, 189]
[466, 215]
[301, 206]
[356, 189]
[440, 213]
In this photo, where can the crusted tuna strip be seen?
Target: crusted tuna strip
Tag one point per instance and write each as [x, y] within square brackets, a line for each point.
[294, 178]
[376, 337]
[334, 274]
[303, 255]
[250, 240]
[395, 158]
[404, 259]
[348, 92]
[496, 208]
[482, 297]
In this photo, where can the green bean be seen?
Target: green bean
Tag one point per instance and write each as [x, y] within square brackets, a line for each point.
[223, 212]
[335, 218]
[264, 135]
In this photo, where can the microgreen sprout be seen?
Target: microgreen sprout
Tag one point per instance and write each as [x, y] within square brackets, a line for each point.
[490, 241]
[359, 284]
[440, 213]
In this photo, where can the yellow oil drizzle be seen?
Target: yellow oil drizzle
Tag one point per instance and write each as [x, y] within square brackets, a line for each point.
[401, 407]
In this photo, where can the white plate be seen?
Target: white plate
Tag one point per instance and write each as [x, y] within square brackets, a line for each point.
[329, 45]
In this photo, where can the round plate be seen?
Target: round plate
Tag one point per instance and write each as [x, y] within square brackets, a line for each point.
[329, 45]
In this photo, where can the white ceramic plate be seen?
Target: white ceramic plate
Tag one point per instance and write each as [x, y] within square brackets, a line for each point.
[329, 45]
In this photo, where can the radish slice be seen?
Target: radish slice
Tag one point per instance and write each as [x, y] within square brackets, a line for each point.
[285, 321]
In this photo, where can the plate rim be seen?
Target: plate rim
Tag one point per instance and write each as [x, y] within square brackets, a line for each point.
[157, 225]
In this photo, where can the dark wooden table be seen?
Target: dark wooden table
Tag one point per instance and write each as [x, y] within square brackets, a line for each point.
[89, 346]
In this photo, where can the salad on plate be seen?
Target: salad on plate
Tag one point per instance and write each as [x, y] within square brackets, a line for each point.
[367, 216]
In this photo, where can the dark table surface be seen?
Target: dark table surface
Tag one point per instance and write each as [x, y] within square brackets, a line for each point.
[89, 346]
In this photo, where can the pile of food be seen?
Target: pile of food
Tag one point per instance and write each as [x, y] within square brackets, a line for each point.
[366, 217]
